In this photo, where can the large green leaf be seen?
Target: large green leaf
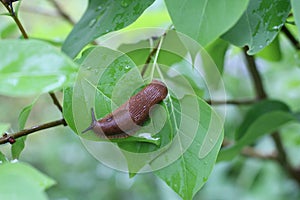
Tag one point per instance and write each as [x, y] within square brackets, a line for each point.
[205, 20]
[259, 25]
[30, 67]
[296, 12]
[101, 17]
[19, 145]
[190, 171]
[21, 181]
[263, 118]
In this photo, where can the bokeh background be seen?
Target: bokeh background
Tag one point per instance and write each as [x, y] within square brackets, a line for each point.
[59, 153]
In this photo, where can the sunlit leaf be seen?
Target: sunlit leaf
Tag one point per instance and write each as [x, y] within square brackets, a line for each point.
[205, 20]
[30, 67]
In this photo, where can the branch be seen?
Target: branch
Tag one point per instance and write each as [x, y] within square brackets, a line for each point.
[261, 94]
[251, 152]
[232, 102]
[55, 101]
[62, 13]
[257, 80]
[15, 18]
[290, 36]
[8, 137]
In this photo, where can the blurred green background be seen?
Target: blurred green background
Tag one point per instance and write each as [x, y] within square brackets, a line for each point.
[58, 152]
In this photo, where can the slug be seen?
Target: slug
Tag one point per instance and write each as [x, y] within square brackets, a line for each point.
[126, 119]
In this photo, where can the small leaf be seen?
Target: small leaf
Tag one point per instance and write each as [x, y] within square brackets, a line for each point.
[19, 145]
[30, 67]
[21, 181]
[259, 25]
[23, 116]
[101, 17]
[263, 118]
[205, 20]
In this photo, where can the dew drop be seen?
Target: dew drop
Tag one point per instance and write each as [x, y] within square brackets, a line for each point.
[107, 30]
[127, 67]
[99, 8]
[92, 22]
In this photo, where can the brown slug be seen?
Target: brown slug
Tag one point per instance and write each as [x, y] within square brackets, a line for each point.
[126, 119]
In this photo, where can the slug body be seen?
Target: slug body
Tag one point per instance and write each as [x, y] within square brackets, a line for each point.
[126, 119]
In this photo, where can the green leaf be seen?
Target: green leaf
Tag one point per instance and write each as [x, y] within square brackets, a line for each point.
[296, 12]
[258, 110]
[101, 17]
[188, 174]
[259, 25]
[23, 116]
[217, 51]
[30, 67]
[263, 118]
[205, 20]
[21, 181]
[271, 52]
[19, 145]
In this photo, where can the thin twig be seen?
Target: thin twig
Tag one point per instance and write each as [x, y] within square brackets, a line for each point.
[232, 102]
[251, 152]
[62, 13]
[5, 138]
[261, 94]
[16, 19]
[55, 101]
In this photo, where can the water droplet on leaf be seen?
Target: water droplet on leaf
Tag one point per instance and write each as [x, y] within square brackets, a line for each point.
[92, 22]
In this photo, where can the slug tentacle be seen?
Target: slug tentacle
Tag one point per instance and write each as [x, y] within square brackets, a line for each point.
[94, 121]
[126, 119]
